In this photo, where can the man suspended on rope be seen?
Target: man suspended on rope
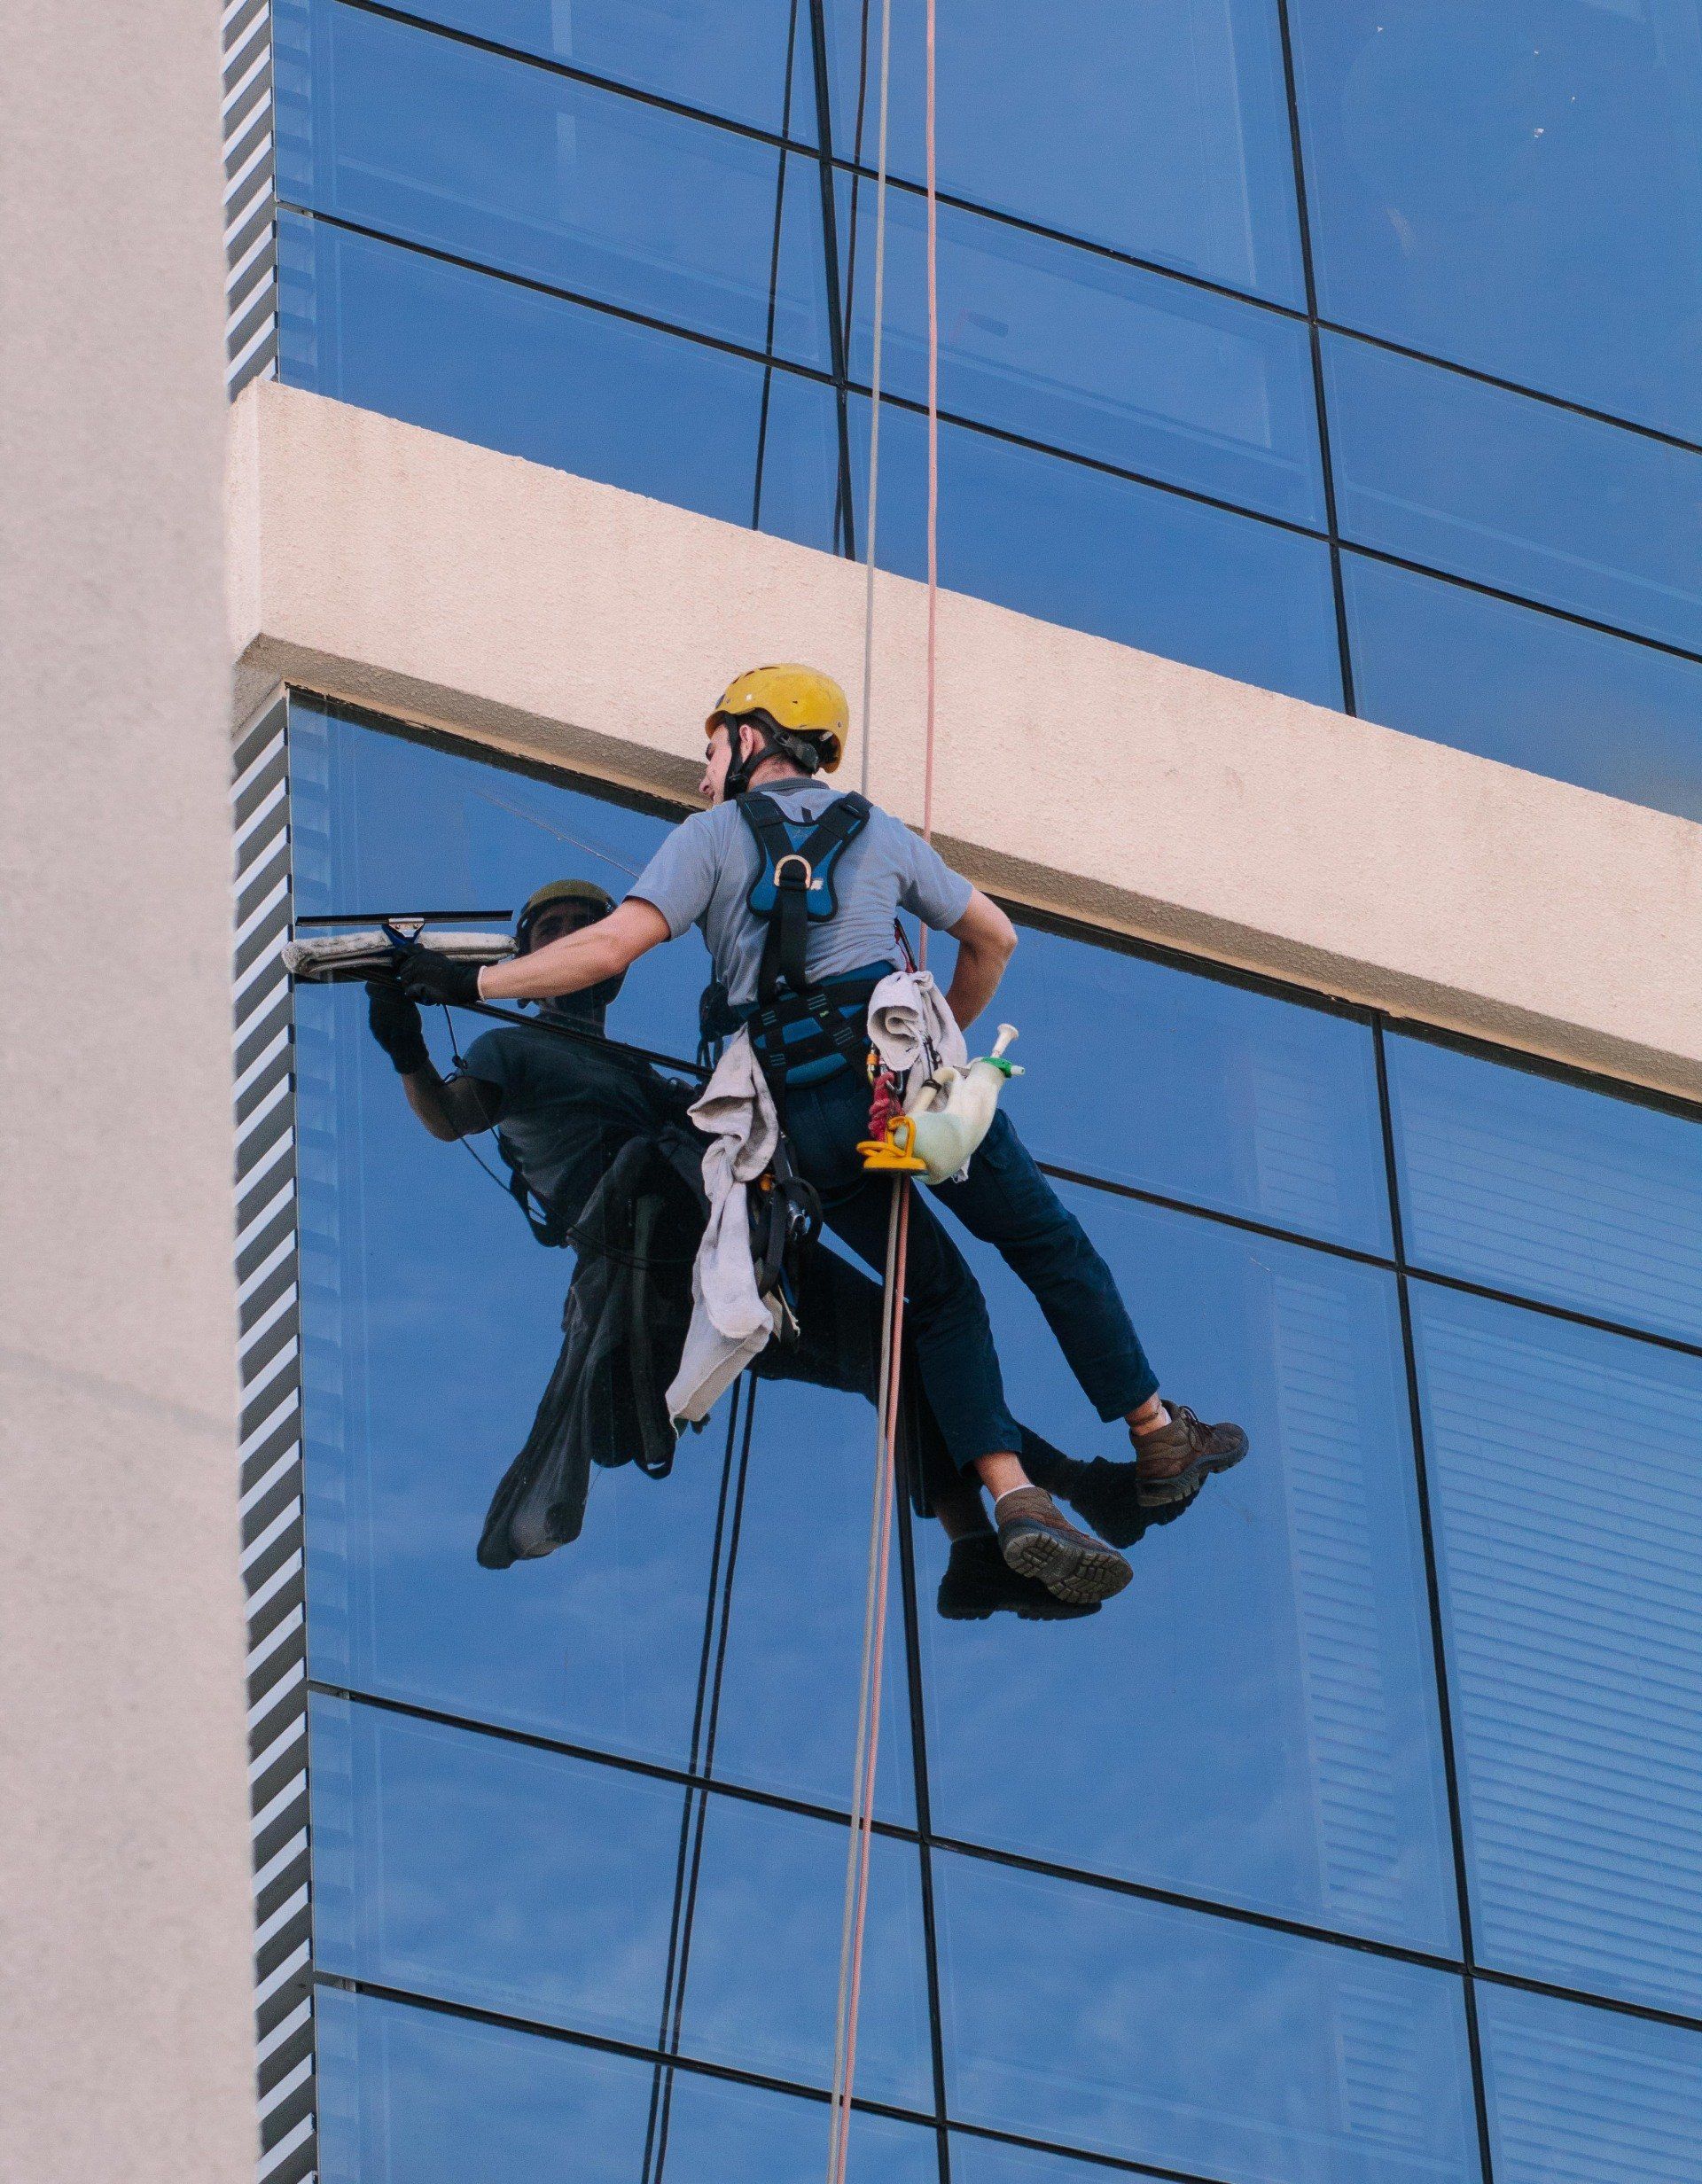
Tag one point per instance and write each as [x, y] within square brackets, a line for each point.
[772, 733]
[602, 1158]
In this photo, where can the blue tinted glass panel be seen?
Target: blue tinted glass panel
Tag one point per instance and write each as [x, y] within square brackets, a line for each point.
[1075, 546]
[1194, 2043]
[1230, 1099]
[476, 357]
[1161, 132]
[763, 1979]
[728, 56]
[1579, 2097]
[534, 173]
[1550, 1190]
[478, 1870]
[801, 463]
[788, 1715]
[741, 2135]
[1512, 684]
[1273, 1658]
[420, 1383]
[1518, 494]
[987, 2161]
[416, 2094]
[1516, 188]
[1066, 347]
[1568, 1509]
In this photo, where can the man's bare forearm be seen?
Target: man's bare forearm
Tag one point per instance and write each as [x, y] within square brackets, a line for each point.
[578, 959]
[974, 980]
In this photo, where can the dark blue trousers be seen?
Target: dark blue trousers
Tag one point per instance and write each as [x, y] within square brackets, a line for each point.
[1006, 1202]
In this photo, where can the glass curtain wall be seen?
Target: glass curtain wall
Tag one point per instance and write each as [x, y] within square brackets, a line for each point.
[1346, 350]
[1322, 1855]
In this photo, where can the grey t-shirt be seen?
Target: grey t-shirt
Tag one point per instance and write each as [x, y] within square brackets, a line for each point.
[702, 873]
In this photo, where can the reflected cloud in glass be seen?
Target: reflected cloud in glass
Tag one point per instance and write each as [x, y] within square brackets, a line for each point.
[761, 1984]
[482, 1871]
[1194, 2043]
[436, 2099]
[1254, 1720]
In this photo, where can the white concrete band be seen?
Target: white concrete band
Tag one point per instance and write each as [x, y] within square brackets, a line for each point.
[545, 615]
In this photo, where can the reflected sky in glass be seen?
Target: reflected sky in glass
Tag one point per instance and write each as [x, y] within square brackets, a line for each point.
[1514, 188]
[1161, 132]
[789, 1691]
[490, 1873]
[1581, 2096]
[1231, 1098]
[1272, 1660]
[1094, 552]
[761, 1984]
[1066, 347]
[744, 2134]
[482, 359]
[1551, 1190]
[728, 56]
[1196, 2043]
[1518, 494]
[441, 143]
[1509, 684]
[403, 2093]
[1568, 1510]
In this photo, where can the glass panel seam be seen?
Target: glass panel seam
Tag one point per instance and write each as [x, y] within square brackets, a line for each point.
[1303, 217]
[859, 171]
[694, 1817]
[774, 277]
[914, 1694]
[1433, 1600]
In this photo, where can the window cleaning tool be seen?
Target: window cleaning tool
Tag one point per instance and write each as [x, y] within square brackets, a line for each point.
[370, 952]
[937, 1140]
[334, 958]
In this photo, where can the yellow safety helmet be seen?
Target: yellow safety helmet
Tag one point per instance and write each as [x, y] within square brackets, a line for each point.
[799, 701]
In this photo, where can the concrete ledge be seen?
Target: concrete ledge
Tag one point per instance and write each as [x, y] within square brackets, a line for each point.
[572, 622]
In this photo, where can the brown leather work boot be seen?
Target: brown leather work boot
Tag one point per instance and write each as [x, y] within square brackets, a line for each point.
[1038, 1541]
[1172, 1463]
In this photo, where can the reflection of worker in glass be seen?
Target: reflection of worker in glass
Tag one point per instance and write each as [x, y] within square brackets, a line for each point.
[770, 734]
[560, 1108]
[599, 1140]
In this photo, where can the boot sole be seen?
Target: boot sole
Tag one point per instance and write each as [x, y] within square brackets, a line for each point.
[1080, 1575]
[1186, 1484]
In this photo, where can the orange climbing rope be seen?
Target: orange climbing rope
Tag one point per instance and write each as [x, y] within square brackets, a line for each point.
[874, 1645]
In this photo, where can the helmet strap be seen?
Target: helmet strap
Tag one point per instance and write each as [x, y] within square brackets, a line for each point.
[776, 744]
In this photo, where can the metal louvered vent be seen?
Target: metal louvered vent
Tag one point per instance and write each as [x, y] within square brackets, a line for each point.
[271, 1456]
[250, 203]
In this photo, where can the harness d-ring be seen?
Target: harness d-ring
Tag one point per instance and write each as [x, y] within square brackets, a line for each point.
[795, 857]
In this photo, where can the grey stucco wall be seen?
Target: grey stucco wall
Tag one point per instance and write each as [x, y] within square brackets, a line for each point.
[125, 2047]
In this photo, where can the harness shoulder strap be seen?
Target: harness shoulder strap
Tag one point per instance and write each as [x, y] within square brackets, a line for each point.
[794, 880]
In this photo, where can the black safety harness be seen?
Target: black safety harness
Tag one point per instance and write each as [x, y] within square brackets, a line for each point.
[802, 1030]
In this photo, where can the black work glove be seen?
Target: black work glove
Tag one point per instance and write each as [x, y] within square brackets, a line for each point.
[394, 1022]
[423, 974]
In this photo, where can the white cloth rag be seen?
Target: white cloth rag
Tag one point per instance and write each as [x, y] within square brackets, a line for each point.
[731, 1321]
[907, 1016]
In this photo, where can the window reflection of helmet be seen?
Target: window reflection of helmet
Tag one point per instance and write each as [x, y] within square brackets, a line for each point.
[598, 901]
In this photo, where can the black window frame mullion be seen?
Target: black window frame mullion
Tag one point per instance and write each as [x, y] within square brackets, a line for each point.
[1451, 1763]
[1303, 216]
[844, 513]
